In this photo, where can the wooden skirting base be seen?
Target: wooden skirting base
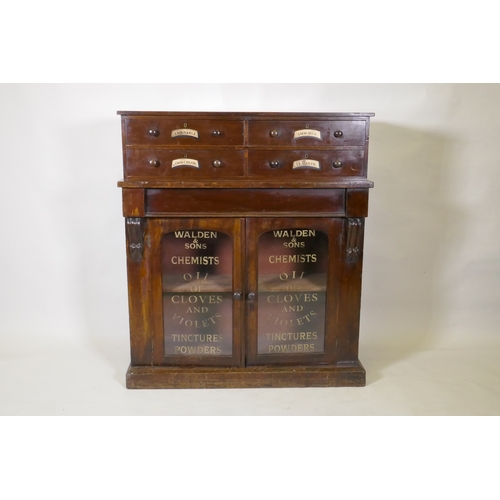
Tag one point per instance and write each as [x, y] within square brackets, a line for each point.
[162, 377]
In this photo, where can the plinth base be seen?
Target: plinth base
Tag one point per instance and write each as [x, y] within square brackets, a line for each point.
[163, 377]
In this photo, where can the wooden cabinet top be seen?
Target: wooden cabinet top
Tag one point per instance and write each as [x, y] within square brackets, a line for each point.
[243, 115]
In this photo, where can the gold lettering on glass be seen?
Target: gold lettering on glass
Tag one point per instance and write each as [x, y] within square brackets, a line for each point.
[197, 293]
[293, 265]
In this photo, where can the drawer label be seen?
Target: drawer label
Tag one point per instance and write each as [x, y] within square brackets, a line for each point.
[185, 162]
[185, 132]
[307, 132]
[307, 164]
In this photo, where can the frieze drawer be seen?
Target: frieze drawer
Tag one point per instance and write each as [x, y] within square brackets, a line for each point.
[305, 164]
[307, 133]
[235, 203]
[184, 163]
[153, 131]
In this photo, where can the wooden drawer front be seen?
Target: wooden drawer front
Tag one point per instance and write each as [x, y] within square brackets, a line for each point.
[248, 202]
[153, 131]
[303, 164]
[307, 133]
[184, 163]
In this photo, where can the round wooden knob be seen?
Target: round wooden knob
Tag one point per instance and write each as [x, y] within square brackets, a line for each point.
[217, 163]
[274, 164]
[154, 163]
[154, 133]
[338, 134]
[216, 133]
[337, 164]
[274, 133]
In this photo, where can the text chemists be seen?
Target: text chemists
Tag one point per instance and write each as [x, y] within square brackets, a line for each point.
[292, 259]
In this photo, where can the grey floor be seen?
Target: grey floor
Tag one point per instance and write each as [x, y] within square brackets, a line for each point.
[60, 378]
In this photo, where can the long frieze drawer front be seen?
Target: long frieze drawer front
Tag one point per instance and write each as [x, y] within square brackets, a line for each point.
[235, 202]
[184, 163]
[305, 164]
[153, 130]
[307, 133]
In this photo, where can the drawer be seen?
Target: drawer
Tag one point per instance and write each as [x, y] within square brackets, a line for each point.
[245, 202]
[153, 130]
[184, 164]
[274, 164]
[307, 133]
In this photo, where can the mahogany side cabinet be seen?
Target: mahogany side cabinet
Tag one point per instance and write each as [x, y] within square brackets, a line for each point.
[244, 243]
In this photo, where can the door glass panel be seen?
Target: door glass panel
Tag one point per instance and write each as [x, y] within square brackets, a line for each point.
[292, 283]
[197, 279]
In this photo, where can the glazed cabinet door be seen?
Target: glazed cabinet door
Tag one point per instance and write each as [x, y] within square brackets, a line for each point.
[197, 284]
[294, 270]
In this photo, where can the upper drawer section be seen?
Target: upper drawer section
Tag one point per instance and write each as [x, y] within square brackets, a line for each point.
[159, 131]
[307, 133]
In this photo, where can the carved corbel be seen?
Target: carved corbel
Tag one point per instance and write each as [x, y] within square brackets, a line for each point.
[136, 227]
[353, 246]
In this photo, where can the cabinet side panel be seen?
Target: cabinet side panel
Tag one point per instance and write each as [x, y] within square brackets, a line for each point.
[139, 305]
[350, 291]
